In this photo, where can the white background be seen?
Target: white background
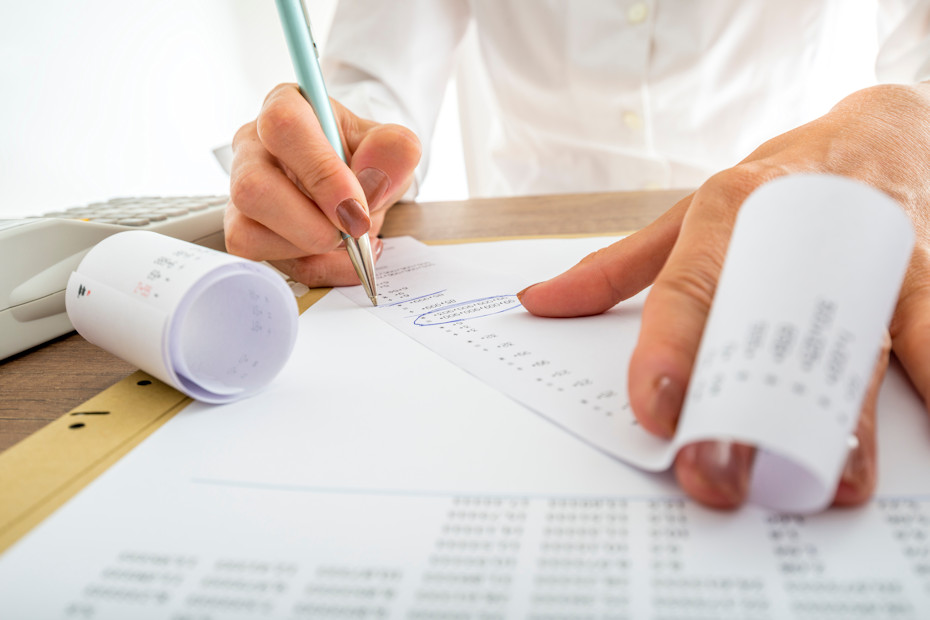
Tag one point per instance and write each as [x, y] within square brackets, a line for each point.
[105, 98]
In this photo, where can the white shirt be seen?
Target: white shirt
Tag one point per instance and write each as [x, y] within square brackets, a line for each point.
[593, 95]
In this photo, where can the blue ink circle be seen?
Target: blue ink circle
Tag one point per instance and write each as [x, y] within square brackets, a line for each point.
[467, 310]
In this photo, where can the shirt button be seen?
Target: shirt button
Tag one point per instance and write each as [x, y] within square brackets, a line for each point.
[637, 13]
[633, 120]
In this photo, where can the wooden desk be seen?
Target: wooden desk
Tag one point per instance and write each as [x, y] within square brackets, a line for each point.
[40, 385]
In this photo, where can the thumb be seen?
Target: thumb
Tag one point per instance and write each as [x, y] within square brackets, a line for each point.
[610, 275]
[384, 158]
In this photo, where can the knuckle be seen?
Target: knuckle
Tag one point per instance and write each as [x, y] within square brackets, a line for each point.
[277, 118]
[730, 187]
[602, 264]
[279, 91]
[236, 239]
[324, 170]
[403, 136]
[235, 244]
[403, 144]
[248, 187]
[596, 257]
[243, 134]
[696, 282]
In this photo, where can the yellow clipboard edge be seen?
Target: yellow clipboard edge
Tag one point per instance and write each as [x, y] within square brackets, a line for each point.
[42, 472]
[39, 474]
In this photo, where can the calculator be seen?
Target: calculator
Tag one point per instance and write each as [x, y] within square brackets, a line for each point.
[38, 254]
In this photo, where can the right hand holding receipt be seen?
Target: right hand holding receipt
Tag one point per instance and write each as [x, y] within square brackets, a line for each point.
[290, 194]
[880, 136]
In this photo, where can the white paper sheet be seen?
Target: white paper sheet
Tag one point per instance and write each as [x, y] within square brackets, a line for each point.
[425, 493]
[212, 325]
[792, 337]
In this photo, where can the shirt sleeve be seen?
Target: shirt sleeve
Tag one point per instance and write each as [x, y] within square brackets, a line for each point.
[391, 61]
[904, 41]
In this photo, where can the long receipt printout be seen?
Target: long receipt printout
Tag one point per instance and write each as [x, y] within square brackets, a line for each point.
[785, 359]
[393, 484]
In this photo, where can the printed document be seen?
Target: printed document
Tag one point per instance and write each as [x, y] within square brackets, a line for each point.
[376, 477]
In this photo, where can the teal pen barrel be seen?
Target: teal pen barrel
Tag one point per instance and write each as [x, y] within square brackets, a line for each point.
[300, 43]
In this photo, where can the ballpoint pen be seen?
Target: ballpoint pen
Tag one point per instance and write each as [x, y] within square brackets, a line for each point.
[305, 57]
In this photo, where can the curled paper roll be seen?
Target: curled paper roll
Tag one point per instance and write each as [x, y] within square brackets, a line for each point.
[214, 326]
[810, 281]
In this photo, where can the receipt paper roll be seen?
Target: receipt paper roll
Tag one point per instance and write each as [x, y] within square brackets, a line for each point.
[214, 326]
[808, 286]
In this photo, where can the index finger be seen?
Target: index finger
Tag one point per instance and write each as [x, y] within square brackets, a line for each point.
[289, 129]
[676, 309]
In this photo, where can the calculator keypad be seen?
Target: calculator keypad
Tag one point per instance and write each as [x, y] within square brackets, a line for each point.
[140, 211]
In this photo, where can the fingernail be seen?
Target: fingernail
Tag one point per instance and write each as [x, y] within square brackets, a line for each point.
[521, 293]
[377, 246]
[353, 218]
[666, 405]
[716, 473]
[375, 184]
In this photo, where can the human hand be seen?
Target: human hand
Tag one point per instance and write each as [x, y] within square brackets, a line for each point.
[880, 136]
[291, 194]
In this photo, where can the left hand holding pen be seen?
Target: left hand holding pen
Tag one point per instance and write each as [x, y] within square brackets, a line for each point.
[880, 136]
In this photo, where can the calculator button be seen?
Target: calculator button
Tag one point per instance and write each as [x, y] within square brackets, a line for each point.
[133, 221]
[164, 207]
[175, 211]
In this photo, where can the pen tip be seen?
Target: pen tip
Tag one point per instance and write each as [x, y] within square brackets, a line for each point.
[374, 300]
